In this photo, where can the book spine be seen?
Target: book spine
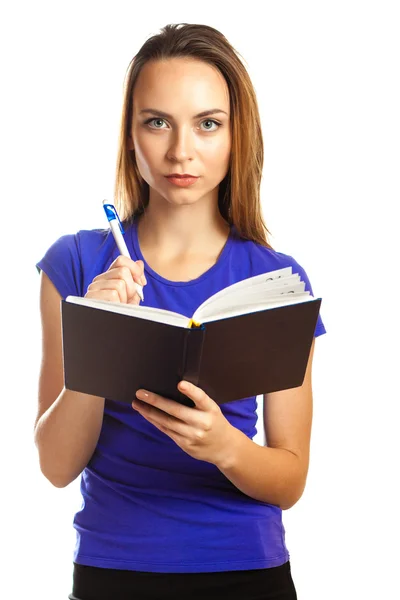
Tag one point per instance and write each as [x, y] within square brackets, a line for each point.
[193, 324]
[193, 350]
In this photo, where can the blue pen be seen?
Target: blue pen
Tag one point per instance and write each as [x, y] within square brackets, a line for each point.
[117, 231]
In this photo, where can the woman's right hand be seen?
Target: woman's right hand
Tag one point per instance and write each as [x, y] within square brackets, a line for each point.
[117, 283]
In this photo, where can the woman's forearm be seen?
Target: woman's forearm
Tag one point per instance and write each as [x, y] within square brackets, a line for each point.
[66, 435]
[272, 475]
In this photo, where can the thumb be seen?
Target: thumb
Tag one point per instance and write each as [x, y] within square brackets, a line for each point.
[141, 265]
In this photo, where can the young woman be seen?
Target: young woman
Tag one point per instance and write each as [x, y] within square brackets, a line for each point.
[177, 501]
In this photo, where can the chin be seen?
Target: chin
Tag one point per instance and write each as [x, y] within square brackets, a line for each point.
[182, 196]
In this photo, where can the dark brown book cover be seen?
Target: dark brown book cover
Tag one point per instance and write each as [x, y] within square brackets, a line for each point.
[112, 355]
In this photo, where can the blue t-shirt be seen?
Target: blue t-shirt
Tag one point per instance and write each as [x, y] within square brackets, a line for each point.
[146, 504]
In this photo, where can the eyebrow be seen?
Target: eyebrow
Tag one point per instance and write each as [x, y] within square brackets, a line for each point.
[205, 113]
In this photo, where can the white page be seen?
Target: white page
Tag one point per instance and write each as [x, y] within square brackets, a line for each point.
[159, 315]
[250, 282]
[248, 298]
[239, 297]
[259, 289]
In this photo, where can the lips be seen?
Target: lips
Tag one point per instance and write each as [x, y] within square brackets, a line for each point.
[181, 181]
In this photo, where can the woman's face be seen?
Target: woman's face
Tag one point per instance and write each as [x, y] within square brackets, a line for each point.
[181, 142]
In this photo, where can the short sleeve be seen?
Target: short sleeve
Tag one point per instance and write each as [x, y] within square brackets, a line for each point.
[62, 265]
[296, 268]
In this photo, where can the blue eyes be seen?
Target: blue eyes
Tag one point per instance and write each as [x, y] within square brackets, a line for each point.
[205, 121]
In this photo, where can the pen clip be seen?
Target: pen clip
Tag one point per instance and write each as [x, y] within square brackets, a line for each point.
[112, 214]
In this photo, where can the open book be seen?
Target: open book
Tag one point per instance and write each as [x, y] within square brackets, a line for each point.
[250, 338]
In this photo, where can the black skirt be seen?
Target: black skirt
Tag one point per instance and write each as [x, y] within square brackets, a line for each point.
[94, 583]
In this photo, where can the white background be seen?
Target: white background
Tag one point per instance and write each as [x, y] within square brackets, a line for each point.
[326, 76]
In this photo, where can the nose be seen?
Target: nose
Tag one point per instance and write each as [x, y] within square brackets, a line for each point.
[182, 145]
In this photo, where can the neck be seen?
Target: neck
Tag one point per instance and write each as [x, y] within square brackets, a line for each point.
[181, 231]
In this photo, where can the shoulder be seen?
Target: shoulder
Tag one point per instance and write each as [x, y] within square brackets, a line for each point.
[92, 240]
[77, 248]
[75, 243]
[261, 259]
[250, 259]
[71, 256]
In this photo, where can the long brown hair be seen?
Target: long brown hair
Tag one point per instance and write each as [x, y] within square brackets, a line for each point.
[239, 192]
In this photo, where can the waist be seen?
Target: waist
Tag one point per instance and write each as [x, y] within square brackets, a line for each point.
[103, 583]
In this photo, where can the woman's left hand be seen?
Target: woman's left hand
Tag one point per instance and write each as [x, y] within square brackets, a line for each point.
[202, 431]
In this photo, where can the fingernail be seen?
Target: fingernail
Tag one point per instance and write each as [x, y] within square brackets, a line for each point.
[143, 280]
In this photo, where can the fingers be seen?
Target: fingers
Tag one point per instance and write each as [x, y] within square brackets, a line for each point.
[117, 284]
